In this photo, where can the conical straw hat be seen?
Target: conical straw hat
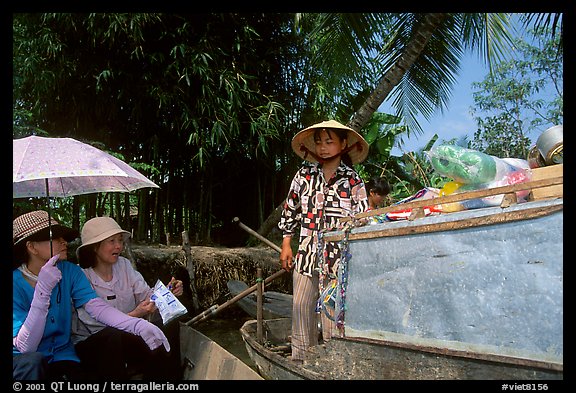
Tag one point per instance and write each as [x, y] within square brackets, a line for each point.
[305, 140]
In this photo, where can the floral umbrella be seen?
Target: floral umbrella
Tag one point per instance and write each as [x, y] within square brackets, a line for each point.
[62, 167]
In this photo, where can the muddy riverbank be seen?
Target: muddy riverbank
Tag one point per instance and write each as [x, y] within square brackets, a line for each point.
[211, 268]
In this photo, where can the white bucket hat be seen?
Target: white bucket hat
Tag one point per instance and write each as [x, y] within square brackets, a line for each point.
[97, 229]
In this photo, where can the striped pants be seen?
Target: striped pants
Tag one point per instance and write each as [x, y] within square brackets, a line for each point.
[304, 316]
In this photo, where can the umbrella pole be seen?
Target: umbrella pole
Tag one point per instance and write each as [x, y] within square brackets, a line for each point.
[50, 232]
[49, 216]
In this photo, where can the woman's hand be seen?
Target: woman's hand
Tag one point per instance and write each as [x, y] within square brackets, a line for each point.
[146, 307]
[48, 277]
[176, 287]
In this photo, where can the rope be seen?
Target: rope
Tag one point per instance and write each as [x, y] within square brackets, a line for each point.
[321, 270]
[338, 283]
[343, 275]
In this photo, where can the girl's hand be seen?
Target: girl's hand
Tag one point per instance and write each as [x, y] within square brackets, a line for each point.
[286, 254]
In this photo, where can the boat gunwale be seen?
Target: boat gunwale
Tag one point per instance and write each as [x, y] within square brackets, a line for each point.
[191, 337]
[460, 353]
[275, 304]
[494, 218]
[279, 361]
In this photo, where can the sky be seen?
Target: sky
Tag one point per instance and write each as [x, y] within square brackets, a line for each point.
[456, 120]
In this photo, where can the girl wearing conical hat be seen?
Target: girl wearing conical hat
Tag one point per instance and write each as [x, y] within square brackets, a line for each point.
[325, 189]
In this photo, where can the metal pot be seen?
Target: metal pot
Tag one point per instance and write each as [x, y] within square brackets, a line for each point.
[551, 145]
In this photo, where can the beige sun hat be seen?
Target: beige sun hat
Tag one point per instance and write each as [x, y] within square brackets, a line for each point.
[97, 229]
[303, 142]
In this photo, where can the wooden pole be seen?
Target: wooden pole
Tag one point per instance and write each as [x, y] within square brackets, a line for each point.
[259, 305]
[191, 269]
[256, 234]
[242, 294]
[202, 316]
[216, 309]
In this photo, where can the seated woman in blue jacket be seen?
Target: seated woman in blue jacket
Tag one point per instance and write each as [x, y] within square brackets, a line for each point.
[46, 288]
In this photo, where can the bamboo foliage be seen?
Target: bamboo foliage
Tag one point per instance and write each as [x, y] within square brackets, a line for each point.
[198, 101]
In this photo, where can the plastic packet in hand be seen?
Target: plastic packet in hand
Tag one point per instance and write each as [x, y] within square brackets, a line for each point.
[168, 305]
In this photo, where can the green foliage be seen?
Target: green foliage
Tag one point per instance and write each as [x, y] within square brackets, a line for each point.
[380, 133]
[206, 104]
[171, 94]
[498, 136]
[511, 103]
[406, 174]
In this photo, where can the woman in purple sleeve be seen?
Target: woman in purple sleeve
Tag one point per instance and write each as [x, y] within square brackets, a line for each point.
[121, 286]
[46, 289]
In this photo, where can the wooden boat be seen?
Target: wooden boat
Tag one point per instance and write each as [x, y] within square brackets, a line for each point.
[275, 304]
[473, 294]
[204, 359]
[272, 357]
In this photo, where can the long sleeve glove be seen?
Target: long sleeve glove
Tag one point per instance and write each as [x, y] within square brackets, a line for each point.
[108, 315]
[32, 330]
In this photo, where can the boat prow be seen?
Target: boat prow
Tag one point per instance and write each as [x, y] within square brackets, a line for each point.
[473, 294]
[204, 359]
[272, 357]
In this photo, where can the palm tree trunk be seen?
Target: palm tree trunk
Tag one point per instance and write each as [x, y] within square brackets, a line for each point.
[394, 75]
[270, 223]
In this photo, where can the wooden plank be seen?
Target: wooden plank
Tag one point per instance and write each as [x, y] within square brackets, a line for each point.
[556, 191]
[530, 185]
[451, 225]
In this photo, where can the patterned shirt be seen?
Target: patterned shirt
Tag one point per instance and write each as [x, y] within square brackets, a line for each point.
[316, 204]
